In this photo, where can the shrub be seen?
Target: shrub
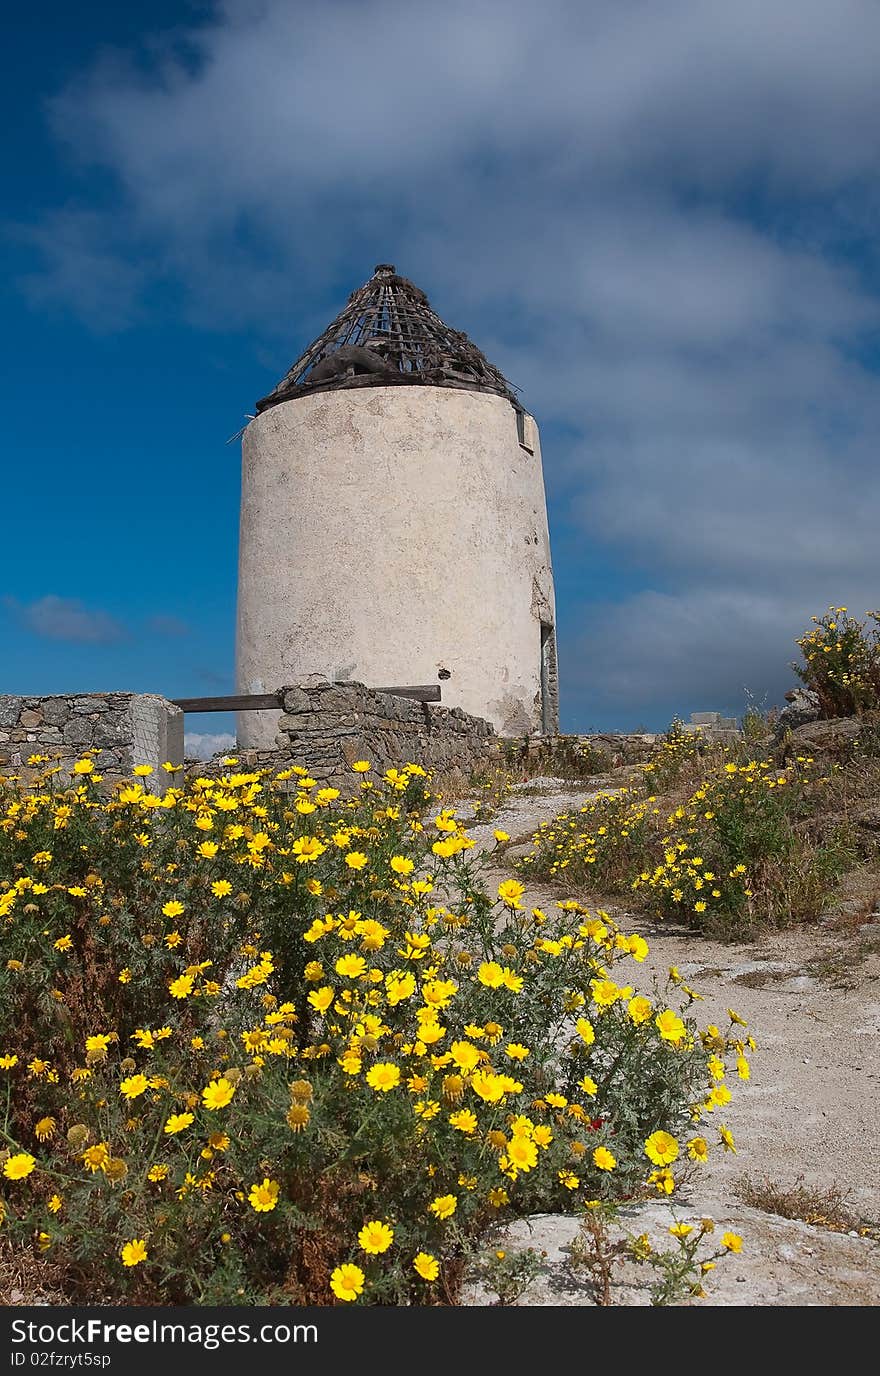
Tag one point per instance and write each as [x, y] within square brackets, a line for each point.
[265, 1043]
[740, 820]
[598, 845]
[842, 662]
[679, 751]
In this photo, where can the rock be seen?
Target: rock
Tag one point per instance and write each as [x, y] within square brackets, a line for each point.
[803, 708]
[31, 719]
[834, 737]
[296, 700]
[10, 709]
[869, 818]
[78, 731]
[55, 711]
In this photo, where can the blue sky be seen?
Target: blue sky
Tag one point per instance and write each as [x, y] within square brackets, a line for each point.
[658, 220]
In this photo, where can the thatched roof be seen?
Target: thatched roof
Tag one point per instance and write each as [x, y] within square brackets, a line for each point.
[388, 335]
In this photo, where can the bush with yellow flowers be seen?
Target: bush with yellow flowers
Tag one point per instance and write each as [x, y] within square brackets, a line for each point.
[842, 662]
[736, 831]
[266, 1043]
[600, 844]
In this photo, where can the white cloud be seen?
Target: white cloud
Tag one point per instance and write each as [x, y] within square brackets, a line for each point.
[658, 219]
[204, 745]
[66, 618]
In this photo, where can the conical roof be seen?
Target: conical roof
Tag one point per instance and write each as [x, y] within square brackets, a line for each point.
[388, 335]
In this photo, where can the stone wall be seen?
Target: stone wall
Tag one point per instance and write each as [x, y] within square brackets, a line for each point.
[326, 726]
[120, 729]
[580, 756]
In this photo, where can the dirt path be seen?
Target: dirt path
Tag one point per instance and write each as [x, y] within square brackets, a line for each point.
[811, 1111]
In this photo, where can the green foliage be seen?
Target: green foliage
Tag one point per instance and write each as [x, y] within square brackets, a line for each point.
[842, 662]
[267, 1043]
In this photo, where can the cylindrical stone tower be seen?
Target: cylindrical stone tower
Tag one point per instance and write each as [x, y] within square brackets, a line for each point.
[393, 522]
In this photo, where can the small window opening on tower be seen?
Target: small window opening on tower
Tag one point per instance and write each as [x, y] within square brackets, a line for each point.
[549, 681]
[525, 431]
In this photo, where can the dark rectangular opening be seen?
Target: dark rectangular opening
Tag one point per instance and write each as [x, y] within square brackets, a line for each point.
[549, 681]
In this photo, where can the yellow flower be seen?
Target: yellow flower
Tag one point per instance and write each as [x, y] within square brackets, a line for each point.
[298, 1116]
[362, 766]
[55, 1204]
[218, 1093]
[585, 1031]
[603, 1159]
[157, 1173]
[220, 888]
[516, 1051]
[510, 891]
[45, 1129]
[464, 1120]
[639, 1008]
[178, 1122]
[133, 1086]
[264, 1197]
[96, 1157]
[19, 1166]
[670, 1027]
[350, 966]
[382, 1076]
[465, 1056]
[134, 1252]
[84, 767]
[661, 1148]
[638, 947]
[444, 1206]
[698, 1149]
[731, 1242]
[63, 943]
[681, 1230]
[491, 974]
[321, 999]
[356, 860]
[307, 848]
[375, 1237]
[401, 865]
[173, 908]
[182, 987]
[522, 1153]
[426, 1265]
[347, 1282]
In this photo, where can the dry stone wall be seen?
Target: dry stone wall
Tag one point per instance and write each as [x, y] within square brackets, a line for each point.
[326, 726]
[120, 729]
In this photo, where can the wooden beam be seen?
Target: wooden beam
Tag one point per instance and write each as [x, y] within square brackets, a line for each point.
[245, 702]
[268, 702]
[425, 692]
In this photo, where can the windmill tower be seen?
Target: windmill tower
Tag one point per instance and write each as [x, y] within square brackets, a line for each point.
[393, 522]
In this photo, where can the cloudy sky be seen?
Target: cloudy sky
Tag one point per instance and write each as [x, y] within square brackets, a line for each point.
[658, 217]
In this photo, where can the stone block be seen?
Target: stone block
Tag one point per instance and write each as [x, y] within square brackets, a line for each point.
[87, 705]
[78, 731]
[55, 711]
[296, 700]
[10, 710]
[705, 718]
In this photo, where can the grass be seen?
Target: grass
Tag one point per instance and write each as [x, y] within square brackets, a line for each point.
[822, 1208]
[798, 847]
